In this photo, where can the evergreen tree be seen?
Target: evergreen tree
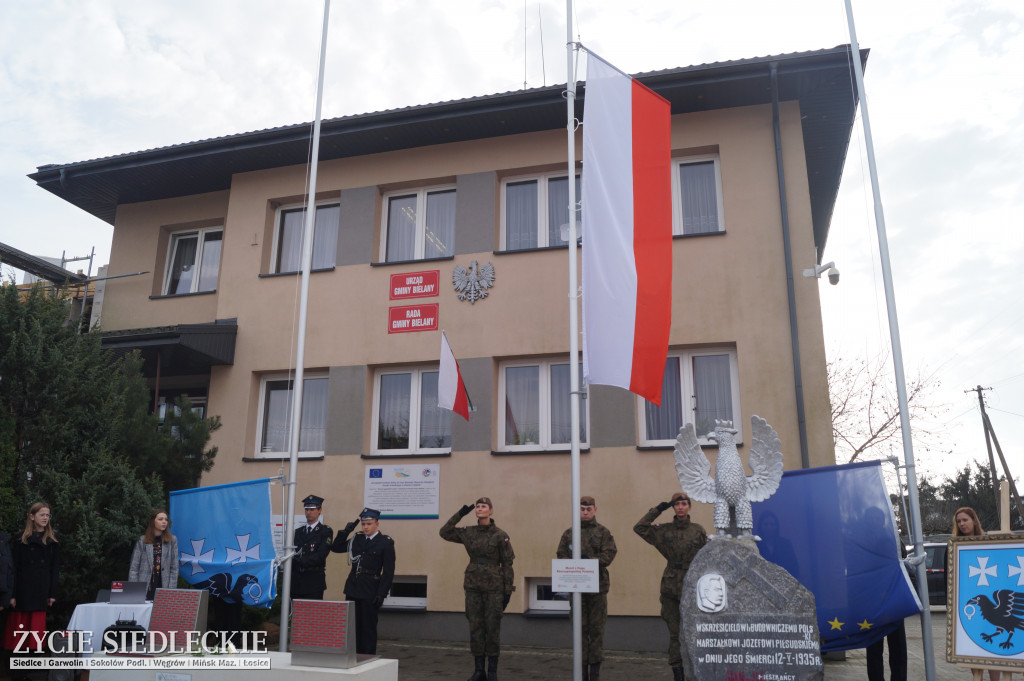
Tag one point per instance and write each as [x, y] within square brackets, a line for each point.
[76, 431]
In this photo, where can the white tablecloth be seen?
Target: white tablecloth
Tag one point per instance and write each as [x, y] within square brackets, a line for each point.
[95, 617]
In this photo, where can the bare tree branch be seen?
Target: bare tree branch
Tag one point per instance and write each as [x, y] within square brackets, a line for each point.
[865, 409]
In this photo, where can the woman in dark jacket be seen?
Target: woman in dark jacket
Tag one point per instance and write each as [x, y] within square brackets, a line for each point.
[36, 555]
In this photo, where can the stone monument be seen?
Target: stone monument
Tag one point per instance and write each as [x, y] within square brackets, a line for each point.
[745, 619]
[742, 617]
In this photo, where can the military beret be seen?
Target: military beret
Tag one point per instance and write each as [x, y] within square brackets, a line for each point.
[484, 500]
[679, 495]
[587, 501]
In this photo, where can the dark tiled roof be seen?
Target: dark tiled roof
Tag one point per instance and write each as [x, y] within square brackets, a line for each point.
[821, 80]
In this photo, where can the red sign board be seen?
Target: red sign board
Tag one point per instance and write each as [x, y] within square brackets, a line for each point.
[406, 318]
[415, 285]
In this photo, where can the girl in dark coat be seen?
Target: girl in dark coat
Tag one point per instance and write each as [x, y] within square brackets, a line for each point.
[36, 555]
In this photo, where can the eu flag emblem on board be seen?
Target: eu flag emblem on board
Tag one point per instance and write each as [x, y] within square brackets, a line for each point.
[377, 473]
[990, 597]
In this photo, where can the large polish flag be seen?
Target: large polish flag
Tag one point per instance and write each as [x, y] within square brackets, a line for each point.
[451, 391]
[627, 223]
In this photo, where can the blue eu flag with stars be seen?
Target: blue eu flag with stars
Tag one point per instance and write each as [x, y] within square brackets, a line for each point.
[833, 529]
[225, 541]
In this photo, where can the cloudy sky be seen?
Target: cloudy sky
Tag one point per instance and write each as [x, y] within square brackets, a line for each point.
[945, 80]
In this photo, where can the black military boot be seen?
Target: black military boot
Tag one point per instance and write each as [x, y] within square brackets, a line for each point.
[492, 668]
[478, 669]
[586, 672]
[595, 672]
[677, 673]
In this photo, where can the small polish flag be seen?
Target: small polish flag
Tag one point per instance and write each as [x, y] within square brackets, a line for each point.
[451, 391]
[627, 220]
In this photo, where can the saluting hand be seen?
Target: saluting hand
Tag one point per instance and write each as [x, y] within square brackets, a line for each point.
[464, 511]
[351, 526]
[663, 505]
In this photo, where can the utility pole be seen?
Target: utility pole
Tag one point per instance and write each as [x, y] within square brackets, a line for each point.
[988, 441]
[990, 438]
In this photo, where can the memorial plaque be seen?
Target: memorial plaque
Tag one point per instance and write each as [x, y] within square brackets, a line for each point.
[745, 619]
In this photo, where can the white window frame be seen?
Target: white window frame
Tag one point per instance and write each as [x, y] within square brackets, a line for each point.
[172, 243]
[535, 603]
[421, 218]
[279, 216]
[407, 602]
[415, 390]
[687, 394]
[261, 411]
[677, 201]
[544, 405]
[542, 206]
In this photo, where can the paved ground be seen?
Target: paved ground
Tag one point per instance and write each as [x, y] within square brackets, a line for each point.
[430, 661]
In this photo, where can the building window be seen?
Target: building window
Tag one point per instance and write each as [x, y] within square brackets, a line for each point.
[275, 411]
[535, 211]
[536, 400]
[698, 387]
[418, 225]
[543, 598]
[697, 188]
[406, 417]
[408, 592]
[193, 261]
[287, 254]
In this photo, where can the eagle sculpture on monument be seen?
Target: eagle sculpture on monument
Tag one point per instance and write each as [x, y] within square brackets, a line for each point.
[731, 490]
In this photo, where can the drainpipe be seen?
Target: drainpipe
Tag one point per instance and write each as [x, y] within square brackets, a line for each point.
[798, 380]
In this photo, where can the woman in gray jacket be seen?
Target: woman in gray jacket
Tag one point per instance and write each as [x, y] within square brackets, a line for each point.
[155, 557]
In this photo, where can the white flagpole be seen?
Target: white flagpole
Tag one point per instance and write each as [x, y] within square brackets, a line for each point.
[300, 352]
[574, 378]
[897, 356]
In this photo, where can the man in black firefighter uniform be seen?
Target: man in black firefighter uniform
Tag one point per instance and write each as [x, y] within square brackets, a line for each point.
[312, 543]
[373, 569]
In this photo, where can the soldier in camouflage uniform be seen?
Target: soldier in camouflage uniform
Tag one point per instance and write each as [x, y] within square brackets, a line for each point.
[488, 582]
[595, 542]
[679, 543]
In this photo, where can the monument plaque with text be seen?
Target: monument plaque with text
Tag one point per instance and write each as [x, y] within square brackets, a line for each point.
[745, 619]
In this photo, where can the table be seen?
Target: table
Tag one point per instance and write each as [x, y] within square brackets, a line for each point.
[93, 618]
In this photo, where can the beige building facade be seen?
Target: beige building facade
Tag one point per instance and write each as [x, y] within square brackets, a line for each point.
[757, 147]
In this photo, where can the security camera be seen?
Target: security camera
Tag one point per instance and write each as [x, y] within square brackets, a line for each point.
[818, 270]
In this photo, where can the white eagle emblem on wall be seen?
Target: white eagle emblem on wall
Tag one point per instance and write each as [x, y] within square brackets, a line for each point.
[472, 285]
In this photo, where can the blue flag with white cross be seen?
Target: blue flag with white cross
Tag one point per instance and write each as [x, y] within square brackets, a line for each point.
[225, 541]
